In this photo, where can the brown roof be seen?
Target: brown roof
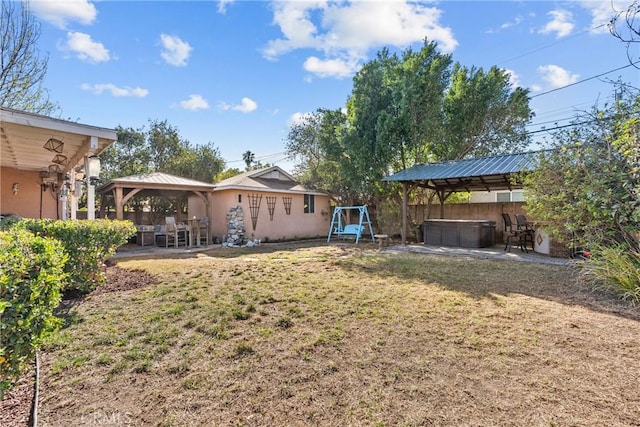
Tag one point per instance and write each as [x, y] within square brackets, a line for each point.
[272, 178]
[160, 178]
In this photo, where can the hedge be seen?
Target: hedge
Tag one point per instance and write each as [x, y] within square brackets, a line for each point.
[87, 243]
[31, 276]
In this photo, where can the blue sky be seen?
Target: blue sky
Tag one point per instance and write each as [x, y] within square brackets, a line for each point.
[238, 73]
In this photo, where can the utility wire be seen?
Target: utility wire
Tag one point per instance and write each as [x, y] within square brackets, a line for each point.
[559, 127]
[549, 45]
[585, 80]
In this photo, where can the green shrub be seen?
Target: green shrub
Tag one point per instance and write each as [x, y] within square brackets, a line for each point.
[31, 275]
[616, 269]
[86, 242]
[6, 222]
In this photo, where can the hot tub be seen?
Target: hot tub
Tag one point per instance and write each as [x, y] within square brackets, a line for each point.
[464, 233]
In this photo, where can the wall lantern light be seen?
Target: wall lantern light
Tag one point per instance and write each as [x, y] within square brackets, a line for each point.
[93, 172]
[15, 188]
[64, 191]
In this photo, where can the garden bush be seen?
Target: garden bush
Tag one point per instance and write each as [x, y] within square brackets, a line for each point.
[616, 269]
[87, 243]
[31, 276]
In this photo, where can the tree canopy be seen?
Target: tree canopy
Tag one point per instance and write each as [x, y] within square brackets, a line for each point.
[22, 67]
[160, 149]
[405, 109]
[589, 181]
[586, 192]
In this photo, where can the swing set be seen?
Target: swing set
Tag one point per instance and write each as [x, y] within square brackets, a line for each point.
[339, 228]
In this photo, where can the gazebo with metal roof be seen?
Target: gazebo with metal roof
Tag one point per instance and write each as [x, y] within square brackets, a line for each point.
[156, 184]
[501, 172]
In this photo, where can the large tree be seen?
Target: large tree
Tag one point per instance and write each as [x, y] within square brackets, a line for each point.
[316, 143]
[23, 68]
[588, 184]
[128, 156]
[406, 109]
[586, 192]
[483, 115]
[249, 158]
[625, 26]
[159, 149]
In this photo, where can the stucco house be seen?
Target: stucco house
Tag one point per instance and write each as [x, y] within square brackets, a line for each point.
[44, 161]
[266, 204]
[274, 205]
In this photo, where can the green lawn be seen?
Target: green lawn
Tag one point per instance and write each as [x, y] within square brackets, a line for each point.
[339, 335]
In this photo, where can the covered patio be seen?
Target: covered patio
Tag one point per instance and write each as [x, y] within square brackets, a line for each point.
[119, 192]
[44, 162]
[494, 173]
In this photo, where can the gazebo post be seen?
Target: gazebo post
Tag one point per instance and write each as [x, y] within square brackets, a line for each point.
[119, 204]
[405, 205]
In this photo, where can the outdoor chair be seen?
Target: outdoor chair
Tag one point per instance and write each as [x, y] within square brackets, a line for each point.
[176, 235]
[204, 230]
[513, 236]
[526, 230]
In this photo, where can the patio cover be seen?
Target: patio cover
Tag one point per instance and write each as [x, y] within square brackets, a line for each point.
[493, 173]
[483, 174]
[156, 184]
[23, 146]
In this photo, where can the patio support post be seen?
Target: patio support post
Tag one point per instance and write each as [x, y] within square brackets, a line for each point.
[73, 196]
[91, 192]
[405, 205]
[119, 203]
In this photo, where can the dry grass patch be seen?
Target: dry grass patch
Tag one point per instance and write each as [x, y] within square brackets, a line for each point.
[344, 335]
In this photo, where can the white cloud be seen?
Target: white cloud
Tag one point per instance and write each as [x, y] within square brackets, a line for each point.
[331, 67]
[603, 11]
[222, 5]
[85, 48]
[298, 119]
[195, 103]
[116, 91]
[60, 13]
[561, 24]
[517, 20]
[557, 76]
[175, 51]
[350, 29]
[247, 105]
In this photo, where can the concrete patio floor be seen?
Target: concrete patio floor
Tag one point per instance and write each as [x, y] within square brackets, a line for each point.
[494, 252]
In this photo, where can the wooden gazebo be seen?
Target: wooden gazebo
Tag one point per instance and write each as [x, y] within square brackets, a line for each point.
[151, 184]
[492, 173]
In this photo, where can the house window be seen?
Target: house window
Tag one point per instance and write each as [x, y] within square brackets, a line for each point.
[503, 197]
[510, 196]
[239, 198]
[309, 203]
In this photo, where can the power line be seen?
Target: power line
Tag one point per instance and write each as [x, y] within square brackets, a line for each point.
[559, 127]
[551, 121]
[550, 44]
[585, 80]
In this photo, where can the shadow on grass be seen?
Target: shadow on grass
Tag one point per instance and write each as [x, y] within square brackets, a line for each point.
[485, 278]
[68, 312]
[130, 253]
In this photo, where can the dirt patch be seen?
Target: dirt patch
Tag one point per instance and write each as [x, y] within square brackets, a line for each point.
[121, 279]
[15, 408]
